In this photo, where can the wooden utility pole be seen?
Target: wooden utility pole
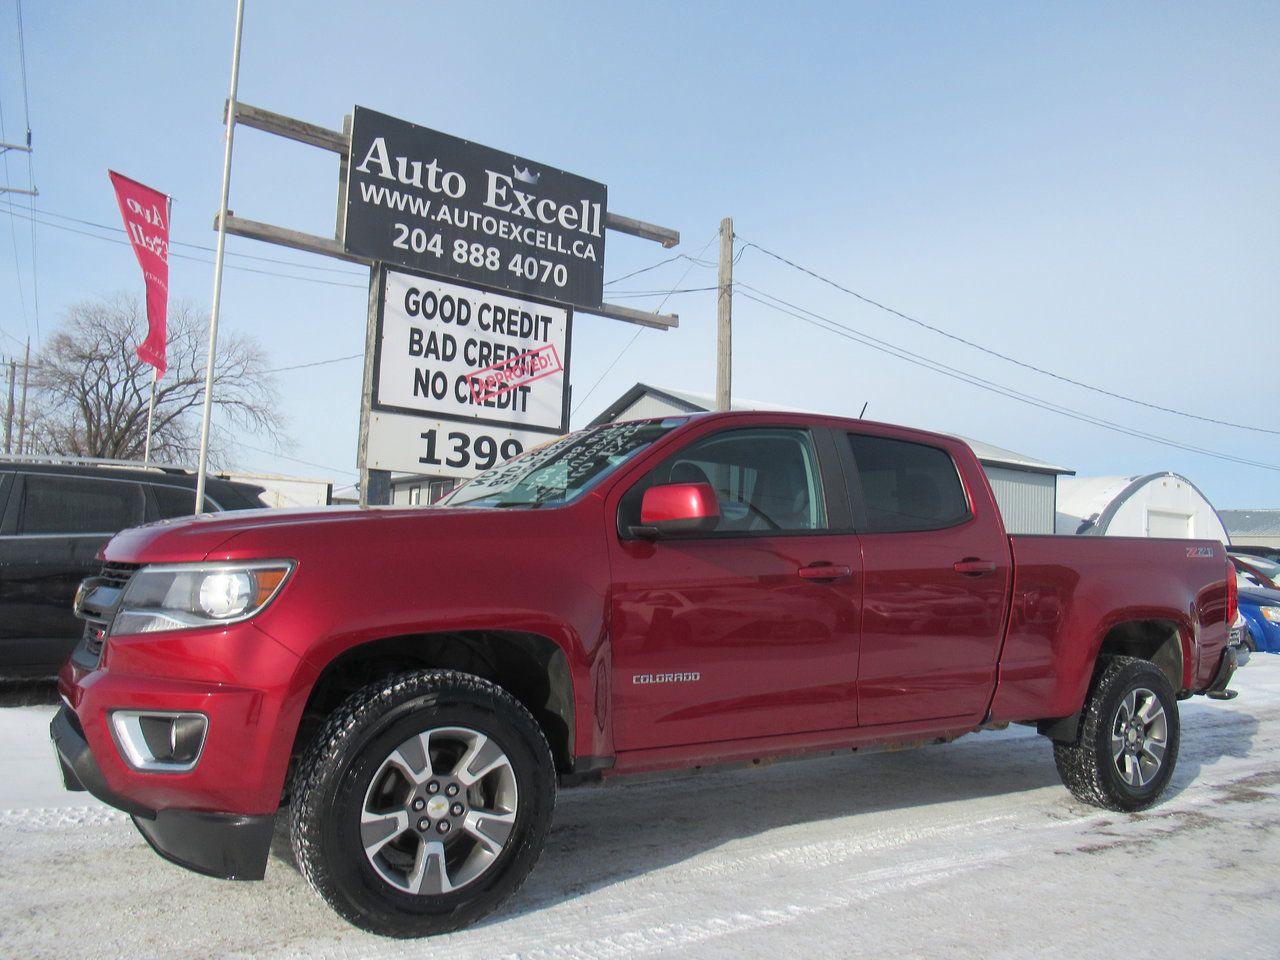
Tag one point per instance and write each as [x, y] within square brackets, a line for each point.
[8, 416]
[22, 410]
[724, 319]
[375, 485]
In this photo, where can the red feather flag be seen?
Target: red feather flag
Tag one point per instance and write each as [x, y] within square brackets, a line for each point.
[146, 221]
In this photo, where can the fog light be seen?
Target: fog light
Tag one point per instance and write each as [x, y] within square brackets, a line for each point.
[160, 742]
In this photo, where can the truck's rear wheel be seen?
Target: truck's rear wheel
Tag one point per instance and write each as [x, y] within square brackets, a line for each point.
[423, 803]
[1128, 739]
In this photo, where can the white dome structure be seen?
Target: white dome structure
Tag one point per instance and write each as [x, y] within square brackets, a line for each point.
[1155, 505]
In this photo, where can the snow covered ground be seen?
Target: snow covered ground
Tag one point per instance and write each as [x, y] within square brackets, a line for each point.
[966, 850]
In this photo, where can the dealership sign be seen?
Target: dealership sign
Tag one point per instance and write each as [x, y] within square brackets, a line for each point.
[489, 370]
[453, 208]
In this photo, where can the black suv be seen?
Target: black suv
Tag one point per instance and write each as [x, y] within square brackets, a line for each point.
[54, 518]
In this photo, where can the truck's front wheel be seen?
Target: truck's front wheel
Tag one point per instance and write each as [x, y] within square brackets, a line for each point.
[1128, 738]
[423, 803]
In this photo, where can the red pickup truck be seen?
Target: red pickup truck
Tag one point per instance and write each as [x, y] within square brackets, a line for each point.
[414, 684]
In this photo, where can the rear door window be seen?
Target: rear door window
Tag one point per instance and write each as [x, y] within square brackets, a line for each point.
[907, 486]
[59, 504]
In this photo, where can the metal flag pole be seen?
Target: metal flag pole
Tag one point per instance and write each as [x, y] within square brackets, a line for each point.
[217, 262]
[151, 412]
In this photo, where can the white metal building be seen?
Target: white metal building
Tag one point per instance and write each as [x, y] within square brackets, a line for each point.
[1253, 528]
[1025, 488]
[1155, 505]
[281, 491]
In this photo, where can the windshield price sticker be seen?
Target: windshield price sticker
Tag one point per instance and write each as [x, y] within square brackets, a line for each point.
[559, 468]
[455, 352]
[450, 207]
[443, 448]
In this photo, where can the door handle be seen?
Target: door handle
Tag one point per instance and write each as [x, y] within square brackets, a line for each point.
[973, 567]
[824, 572]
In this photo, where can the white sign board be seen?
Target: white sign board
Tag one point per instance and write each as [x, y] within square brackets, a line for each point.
[476, 356]
[443, 448]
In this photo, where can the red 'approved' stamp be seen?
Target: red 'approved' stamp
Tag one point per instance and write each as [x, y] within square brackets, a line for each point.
[493, 381]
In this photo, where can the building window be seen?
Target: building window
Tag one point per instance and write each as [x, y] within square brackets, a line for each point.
[438, 488]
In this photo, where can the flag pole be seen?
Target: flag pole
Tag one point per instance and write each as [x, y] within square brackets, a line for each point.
[217, 262]
[151, 412]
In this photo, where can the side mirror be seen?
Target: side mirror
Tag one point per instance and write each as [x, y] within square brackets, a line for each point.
[677, 508]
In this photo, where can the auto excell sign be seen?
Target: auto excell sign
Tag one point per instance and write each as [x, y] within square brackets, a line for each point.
[453, 208]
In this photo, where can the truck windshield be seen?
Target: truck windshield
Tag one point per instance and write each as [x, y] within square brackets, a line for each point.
[559, 471]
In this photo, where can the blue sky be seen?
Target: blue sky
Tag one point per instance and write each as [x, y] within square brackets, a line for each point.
[1090, 188]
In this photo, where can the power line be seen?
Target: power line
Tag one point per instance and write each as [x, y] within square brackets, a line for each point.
[309, 463]
[13, 231]
[315, 363]
[1004, 356]
[975, 380]
[655, 266]
[31, 170]
[340, 270]
[358, 356]
[199, 246]
[22, 61]
[636, 273]
[693, 262]
[850, 333]
[632, 294]
[361, 286]
[231, 266]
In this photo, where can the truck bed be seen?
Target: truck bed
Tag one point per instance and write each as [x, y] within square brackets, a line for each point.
[1068, 592]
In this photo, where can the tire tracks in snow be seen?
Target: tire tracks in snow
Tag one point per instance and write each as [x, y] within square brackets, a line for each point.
[804, 880]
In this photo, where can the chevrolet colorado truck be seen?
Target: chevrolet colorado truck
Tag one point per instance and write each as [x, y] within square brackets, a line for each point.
[414, 684]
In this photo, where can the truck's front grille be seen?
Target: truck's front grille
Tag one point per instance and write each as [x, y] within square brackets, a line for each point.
[119, 573]
[95, 628]
[95, 635]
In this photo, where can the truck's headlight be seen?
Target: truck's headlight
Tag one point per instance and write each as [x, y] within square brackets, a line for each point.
[183, 596]
[1271, 613]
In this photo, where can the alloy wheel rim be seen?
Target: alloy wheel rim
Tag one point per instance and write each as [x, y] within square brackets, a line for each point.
[1139, 737]
[439, 811]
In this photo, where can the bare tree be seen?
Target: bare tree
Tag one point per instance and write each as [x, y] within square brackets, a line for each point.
[91, 390]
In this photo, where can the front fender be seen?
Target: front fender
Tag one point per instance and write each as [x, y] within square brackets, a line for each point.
[540, 572]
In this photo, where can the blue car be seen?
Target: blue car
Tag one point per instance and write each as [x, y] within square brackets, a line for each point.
[1261, 611]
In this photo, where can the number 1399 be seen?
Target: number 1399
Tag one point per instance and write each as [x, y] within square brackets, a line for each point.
[461, 450]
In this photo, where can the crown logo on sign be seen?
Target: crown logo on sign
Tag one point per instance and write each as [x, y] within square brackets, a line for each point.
[527, 176]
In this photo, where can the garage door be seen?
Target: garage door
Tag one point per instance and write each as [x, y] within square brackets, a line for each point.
[1162, 523]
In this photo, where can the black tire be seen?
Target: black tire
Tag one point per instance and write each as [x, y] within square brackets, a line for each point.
[1088, 767]
[337, 770]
